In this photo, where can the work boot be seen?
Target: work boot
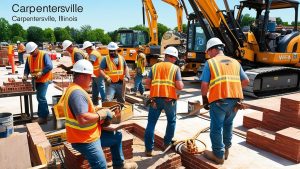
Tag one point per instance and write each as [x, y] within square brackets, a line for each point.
[148, 153]
[40, 120]
[226, 154]
[127, 165]
[211, 156]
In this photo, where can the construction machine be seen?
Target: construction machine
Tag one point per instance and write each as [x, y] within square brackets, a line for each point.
[269, 58]
[131, 40]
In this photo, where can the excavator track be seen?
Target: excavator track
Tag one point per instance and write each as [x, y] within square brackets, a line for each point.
[273, 80]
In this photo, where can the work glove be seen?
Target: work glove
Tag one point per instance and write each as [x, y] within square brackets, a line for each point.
[105, 114]
[38, 75]
[24, 78]
[108, 80]
[205, 102]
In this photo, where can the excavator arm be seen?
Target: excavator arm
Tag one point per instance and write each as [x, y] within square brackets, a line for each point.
[152, 21]
[179, 11]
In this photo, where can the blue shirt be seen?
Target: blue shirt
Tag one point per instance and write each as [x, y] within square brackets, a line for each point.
[78, 102]
[78, 56]
[177, 75]
[103, 64]
[47, 65]
[92, 58]
[205, 76]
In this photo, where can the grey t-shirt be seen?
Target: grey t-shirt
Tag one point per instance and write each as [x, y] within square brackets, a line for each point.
[78, 102]
[78, 56]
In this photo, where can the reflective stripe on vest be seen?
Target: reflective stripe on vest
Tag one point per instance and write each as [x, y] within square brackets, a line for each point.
[114, 72]
[77, 133]
[163, 81]
[37, 65]
[97, 62]
[225, 81]
[75, 50]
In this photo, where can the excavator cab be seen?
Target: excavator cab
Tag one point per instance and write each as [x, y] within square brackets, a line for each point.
[132, 38]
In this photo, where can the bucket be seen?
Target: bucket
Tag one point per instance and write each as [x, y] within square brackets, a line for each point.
[55, 99]
[53, 56]
[192, 105]
[6, 124]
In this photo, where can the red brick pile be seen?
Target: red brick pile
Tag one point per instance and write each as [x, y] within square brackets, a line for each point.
[14, 86]
[74, 160]
[277, 132]
[3, 57]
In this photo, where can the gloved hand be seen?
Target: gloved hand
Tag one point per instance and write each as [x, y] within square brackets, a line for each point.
[205, 102]
[105, 114]
[24, 78]
[38, 75]
[108, 80]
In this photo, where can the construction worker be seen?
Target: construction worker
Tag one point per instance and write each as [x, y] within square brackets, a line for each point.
[164, 79]
[115, 71]
[76, 54]
[40, 67]
[84, 124]
[222, 81]
[98, 82]
[141, 63]
[21, 51]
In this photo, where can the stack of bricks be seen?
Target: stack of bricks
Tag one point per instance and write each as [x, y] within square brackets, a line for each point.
[62, 79]
[170, 161]
[13, 86]
[73, 159]
[3, 57]
[277, 132]
[39, 146]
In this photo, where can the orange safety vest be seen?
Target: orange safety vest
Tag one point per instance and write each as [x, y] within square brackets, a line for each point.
[114, 72]
[75, 50]
[97, 62]
[225, 81]
[163, 81]
[77, 133]
[21, 48]
[36, 64]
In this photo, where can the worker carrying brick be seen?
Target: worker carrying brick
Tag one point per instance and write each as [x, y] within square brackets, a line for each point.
[83, 123]
[40, 67]
[141, 63]
[21, 51]
[222, 81]
[164, 79]
[76, 54]
[115, 72]
[98, 85]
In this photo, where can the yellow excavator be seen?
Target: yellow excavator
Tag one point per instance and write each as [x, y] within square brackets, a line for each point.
[270, 58]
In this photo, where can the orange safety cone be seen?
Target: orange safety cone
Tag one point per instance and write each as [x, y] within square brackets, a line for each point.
[11, 58]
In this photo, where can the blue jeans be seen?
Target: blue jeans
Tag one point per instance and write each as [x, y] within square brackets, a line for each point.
[41, 90]
[115, 89]
[221, 120]
[20, 57]
[98, 86]
[138, 85]
[154, 113]
[94, 154]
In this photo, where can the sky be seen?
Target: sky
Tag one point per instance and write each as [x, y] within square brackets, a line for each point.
[108, 15]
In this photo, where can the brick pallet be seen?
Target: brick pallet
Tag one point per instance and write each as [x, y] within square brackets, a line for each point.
[277, 131]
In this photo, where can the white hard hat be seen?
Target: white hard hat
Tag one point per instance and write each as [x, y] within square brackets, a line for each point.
[83, 66]
[30, 47]
[87, 44]
[171, 51]
[112, 46]
[66, 44]
[18, 41]
[213, 42]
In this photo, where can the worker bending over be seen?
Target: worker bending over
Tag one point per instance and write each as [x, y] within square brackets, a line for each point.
[83, 123]
[115, 71]
[222, 81]
[98, 82]
[40, 67]
[164, 79]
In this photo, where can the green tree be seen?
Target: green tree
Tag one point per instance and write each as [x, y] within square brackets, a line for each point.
[293, 23]
[184, 28]
[76, 35]
[161, 30]
[35, 34]
[279, 21]
[99, 35]
[113, 35]
[62, 34]
[4, 30]
[140, 28]
[17, 33]
[49, 35]
[247, 20]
